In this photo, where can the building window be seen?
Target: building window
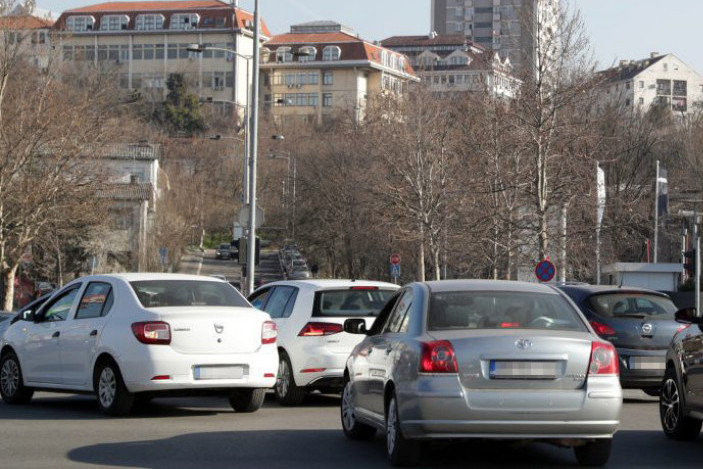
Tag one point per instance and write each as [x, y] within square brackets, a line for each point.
[331, 53]
[284, 54]
[307, 54]
[680, 88]
[627, 85]
[114, 22]
[149, 22]
[478, 10]
[184, 21]
[80, 23]
[641, 101]
[327, 77]
[641, 84]
[663, 87]
[327, 100]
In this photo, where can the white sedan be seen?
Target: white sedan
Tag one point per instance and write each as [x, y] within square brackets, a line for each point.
[131, 337]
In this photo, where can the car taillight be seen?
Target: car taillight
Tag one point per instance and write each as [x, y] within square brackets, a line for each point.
[682, 327]
[363, 288]
[509, 325]
[269, 332]
[438, 357]
[316, 329]
[152, 332]
[604, 360]
[602, 330]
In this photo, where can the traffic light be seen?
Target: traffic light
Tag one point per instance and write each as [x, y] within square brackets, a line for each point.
[689, 262]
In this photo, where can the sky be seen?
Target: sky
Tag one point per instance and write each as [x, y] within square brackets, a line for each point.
[619, 29]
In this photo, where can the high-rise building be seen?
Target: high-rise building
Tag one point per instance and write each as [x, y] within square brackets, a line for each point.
[507, 26]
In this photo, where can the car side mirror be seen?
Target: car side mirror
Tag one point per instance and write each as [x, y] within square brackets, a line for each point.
[355, 326]
[27, 315]
[687, 316]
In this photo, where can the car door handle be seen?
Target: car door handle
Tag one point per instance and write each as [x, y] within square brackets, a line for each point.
[94, 332]
[56, 334]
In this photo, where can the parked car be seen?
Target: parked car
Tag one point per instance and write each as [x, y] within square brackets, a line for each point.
[300, 273]
[481, 359]
[224, 252]
[640, 323]
[310, 314]
[681, 398]
[5, 315]
[131, 337]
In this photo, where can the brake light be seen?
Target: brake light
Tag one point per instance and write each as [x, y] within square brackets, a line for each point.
[682, 327]
[438, 357]
[602, 330]
[316, 329]
[152, 332]
[505, 325]
[363, 288]
[604, 360]
[269, 333]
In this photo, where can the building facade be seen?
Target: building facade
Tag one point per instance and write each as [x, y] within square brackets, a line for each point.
[145, 42]
[660, 80]
[29, 35]
[509, 27]
[321, 68]
[453, 64]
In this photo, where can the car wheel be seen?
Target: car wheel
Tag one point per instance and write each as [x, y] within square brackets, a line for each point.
[401, 451]
[12, 388]
[247, 400]
[113, 396]
[594, 453]
[353, 429]
[675, 423]
[285, 389]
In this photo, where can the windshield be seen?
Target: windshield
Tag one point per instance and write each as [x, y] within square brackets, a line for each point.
[350, 302]
[502, 310]
[224, 246]
[159, 293]
[633, 305]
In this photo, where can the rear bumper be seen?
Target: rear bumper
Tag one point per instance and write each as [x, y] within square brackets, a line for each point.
[441, 408]
[316, 355]
[641, 378]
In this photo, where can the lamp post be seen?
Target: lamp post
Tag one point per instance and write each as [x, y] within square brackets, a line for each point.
[290, 159]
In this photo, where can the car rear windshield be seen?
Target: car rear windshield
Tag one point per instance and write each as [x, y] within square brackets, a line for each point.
[502, 310]
[633, 305]
[224, 246]
[350, 302]
[159, 293]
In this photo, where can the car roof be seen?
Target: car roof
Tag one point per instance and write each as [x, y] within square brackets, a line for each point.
[136, 277]
[487, 285]
[321, 284]
[602, 289]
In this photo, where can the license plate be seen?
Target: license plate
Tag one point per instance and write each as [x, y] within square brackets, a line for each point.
[503, 369]
[218, 372]
[646, 363]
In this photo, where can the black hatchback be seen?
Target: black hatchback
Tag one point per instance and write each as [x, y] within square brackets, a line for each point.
[639, 323]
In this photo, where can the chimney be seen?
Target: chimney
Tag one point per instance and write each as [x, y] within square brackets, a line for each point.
[653, 55]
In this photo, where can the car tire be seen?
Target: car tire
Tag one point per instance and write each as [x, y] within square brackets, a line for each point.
[285, 389]
[247, 400]
[12, 386]
[400, 451]
[353, 429]
[675, 423]
[594, 453]
[113, 397]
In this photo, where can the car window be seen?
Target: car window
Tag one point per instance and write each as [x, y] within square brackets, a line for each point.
[291, 304]
[258, 299]
[350, 302]
[280, 297]
[179, 293]
[96, 301]
[224, 246]
[501, 310]
[633, 305]
[382, 317]
[397, 318]
[60, 308]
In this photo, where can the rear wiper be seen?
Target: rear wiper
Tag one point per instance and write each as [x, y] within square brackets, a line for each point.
[632, 315]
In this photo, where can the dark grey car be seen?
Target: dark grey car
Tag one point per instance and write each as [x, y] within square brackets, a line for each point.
[640, 323]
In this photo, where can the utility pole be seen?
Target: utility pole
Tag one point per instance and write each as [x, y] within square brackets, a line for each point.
[656, 215]
[254, 135]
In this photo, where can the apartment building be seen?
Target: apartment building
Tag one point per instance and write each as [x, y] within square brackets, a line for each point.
[320, 68]
[660, 80]
[30, 35]
[509, 27]
[145, 42]
[451, 63]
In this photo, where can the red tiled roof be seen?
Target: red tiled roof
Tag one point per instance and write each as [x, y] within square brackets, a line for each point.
[443, 40]
[25, 22]
[148, 6]
[313, 38]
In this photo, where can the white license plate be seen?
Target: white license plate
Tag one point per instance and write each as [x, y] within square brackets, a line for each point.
[646, 363]
[218, 372]
[503, 369]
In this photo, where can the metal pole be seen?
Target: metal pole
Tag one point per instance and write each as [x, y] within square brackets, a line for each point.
[698, 274]
[598, 255]
[656, 215]
[564, 214]
[295, 171]
[247, 146]
[251, 251]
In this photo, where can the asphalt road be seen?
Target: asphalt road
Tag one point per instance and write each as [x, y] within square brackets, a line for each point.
[65, 431]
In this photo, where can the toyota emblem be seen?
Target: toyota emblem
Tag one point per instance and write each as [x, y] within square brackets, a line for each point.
[523, 344]
[219, 328]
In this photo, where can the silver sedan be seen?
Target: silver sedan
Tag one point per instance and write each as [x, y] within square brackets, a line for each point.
[482, 359]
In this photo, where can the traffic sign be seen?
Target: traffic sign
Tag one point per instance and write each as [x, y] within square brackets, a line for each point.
[395, 259]
[243, 216]
[545, 271]
[395, 270]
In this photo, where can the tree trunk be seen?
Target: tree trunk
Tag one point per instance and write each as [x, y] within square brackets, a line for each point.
[421, 255]
[9, 278]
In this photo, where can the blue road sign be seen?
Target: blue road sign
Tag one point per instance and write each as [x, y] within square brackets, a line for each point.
[545, 271]
[395, 270]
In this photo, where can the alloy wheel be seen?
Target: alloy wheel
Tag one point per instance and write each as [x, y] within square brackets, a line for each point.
[348, 417]
[9, 377]
[283, 380]
[670, 404]
[391, 430]
[107, 387]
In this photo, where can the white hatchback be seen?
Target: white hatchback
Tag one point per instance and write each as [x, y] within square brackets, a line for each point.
[310, 314]
[131, 337]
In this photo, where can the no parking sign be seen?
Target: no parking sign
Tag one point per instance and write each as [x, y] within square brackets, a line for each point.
[545, 271]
